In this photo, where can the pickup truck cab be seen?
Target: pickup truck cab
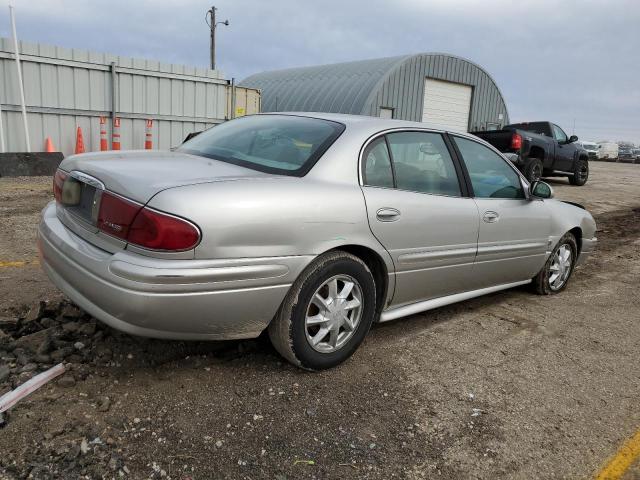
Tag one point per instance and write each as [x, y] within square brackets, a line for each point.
[541, 149]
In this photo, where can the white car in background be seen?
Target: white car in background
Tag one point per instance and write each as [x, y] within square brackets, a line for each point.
[607, 151]
[591, 148]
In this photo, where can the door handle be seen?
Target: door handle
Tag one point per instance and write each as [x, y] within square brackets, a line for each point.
[491, 217]
[388, 214]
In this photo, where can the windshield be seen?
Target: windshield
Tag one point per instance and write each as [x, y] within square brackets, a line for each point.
[283, 144]
[590, 146]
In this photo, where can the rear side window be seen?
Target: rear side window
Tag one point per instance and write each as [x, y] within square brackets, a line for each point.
[283, 144]
[422, 163]
[491, 176]
[377, 165]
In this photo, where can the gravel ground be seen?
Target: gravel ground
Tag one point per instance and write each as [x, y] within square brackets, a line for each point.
[511, 385]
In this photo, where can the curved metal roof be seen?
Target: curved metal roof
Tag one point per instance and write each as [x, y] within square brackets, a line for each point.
[338, 87]
[362, 87]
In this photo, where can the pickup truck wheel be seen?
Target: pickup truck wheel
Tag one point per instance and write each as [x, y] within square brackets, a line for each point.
[327, 312]
[555, 274]
[533, 170]
[580, 172]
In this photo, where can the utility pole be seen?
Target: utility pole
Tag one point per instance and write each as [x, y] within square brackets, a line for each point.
[213, 24]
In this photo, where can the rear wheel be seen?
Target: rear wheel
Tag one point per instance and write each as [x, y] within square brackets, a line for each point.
[327, 312]
[555, 274]
[580, 172]
[533, 170]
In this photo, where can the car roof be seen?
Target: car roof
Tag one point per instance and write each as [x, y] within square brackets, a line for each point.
[363, 122]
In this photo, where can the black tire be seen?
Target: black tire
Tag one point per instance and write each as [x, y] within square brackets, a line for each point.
[541, 283]
[580, 172]
[533, 170]
[288, 332]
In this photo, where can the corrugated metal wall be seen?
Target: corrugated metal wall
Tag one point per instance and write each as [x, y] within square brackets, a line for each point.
[362, 87]
[66, 88]
[403, 89]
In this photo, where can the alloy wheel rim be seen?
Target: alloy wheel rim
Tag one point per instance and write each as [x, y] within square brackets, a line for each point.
[333, 314]
[560, 267]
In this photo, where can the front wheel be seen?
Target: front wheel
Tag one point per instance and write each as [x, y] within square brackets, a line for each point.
[327, 312]
[555, 274]
[580, 172]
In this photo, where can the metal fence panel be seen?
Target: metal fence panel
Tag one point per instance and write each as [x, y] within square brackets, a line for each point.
[67, 88]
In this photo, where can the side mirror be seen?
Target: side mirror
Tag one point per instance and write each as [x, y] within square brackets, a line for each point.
[541, 189]
[573, 138]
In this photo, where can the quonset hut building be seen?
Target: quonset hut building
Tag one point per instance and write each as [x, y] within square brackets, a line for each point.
[427, 87]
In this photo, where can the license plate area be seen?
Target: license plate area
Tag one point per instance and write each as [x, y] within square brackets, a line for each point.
[81, 197]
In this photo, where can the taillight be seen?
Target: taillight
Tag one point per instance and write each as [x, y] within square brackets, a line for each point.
[159, 231]
[516, 141]
[58, 181]
[144, 227]
[116, 215]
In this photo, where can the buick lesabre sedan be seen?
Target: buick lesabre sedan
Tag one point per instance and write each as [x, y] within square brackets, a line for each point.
[312, 226]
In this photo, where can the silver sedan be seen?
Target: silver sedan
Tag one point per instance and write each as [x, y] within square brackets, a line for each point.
[312, 226]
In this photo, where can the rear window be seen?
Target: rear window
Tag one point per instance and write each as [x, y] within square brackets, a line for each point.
[541, 128]
[282, 144]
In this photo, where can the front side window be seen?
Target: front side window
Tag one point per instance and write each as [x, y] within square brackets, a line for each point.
[377, 164]
[491, 176]
[558, 134]
[282, 144]
[422, 163]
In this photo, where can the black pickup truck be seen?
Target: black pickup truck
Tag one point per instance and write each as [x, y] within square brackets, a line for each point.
[541, 149]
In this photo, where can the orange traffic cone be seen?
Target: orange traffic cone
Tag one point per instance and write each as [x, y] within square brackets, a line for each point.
[115, 134]
[48, 145]
[79, 141]
[148, 139]
[103, 134]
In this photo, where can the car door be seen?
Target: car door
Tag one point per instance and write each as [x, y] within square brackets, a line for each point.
[417, 210]
[513, 236]
[564, 151]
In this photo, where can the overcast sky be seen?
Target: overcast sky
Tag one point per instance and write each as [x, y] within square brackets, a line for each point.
[558, 60]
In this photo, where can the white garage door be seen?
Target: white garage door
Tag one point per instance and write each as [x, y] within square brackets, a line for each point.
[447, 104]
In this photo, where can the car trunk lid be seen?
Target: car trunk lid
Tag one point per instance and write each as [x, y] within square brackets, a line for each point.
[139, 175]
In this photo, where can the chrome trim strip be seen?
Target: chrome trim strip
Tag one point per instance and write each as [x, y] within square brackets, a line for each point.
[517, 247]
[186, 275]
[414, 308]
[88, 179]
[417, 257]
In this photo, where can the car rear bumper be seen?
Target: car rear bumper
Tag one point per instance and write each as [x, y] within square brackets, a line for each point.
[173, 299]
[587, 248]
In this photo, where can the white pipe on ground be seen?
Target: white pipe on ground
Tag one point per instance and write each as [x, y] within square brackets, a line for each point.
[17, 53]
[9, 399]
